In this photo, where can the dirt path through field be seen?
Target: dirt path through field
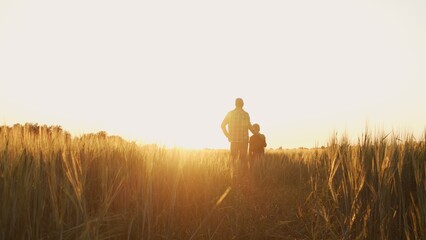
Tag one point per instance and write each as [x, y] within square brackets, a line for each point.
[267, 210]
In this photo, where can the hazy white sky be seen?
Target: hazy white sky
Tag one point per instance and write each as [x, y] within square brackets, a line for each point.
[169, 71]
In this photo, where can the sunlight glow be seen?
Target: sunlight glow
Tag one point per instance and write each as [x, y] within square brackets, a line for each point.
[168, 72]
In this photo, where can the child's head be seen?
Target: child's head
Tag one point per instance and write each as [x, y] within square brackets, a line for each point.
[256, 128]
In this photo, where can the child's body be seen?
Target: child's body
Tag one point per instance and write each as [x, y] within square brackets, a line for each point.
[257, 143]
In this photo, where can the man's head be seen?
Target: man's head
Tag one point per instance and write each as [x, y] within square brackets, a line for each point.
[239, 103]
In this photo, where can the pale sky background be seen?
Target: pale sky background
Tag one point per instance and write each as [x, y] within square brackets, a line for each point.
[168, 71]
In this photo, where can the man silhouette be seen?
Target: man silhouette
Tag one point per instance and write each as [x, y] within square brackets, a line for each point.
[238, 123]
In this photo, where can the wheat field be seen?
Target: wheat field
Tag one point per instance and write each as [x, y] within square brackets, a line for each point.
[95, 186]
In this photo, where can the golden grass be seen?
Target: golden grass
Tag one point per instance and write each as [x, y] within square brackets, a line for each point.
[375, 189]
[96, 186]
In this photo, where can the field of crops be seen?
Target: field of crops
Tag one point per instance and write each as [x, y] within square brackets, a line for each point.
[54, 186]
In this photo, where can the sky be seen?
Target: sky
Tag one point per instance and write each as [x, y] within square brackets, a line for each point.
[167, 72]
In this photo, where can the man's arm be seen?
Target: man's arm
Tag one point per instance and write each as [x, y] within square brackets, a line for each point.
[264, 141]
[250, 126]
[223, 126]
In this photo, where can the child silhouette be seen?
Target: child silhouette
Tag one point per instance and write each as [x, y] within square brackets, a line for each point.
[257, 144]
